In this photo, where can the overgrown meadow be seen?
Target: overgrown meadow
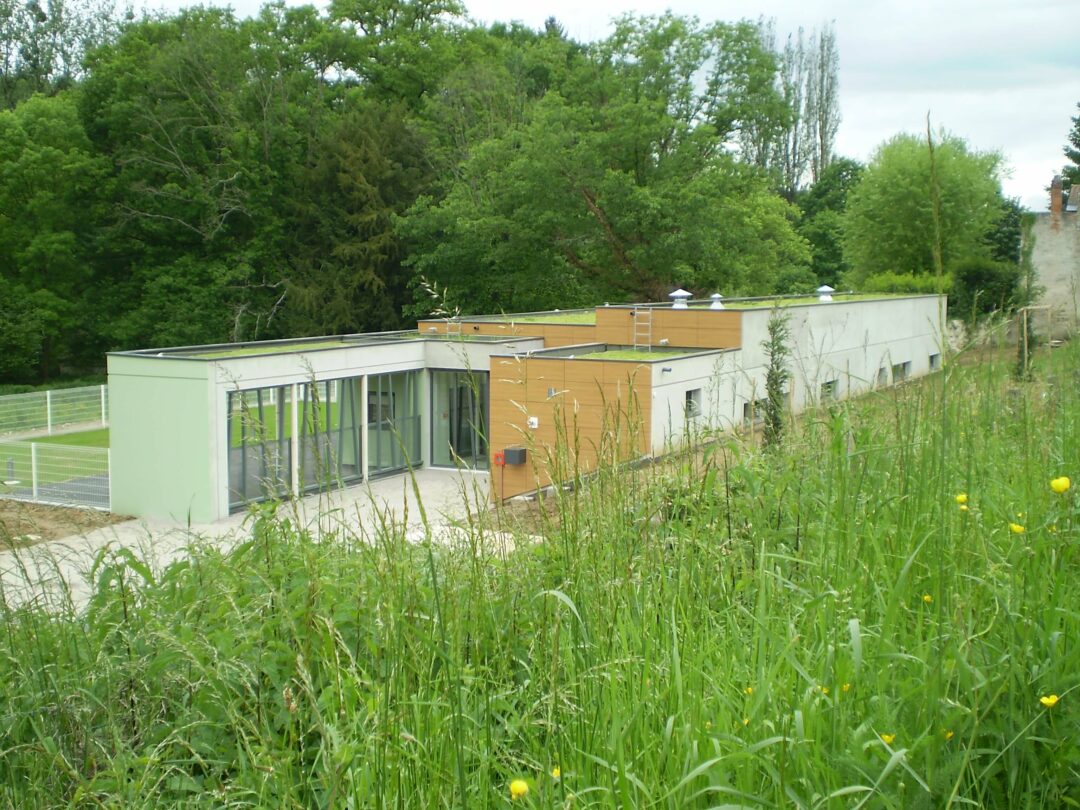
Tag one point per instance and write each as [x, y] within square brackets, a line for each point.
[884, 613]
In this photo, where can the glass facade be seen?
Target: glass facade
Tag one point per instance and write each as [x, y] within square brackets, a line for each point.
[260, 430]
[459, 419]
[394, 422]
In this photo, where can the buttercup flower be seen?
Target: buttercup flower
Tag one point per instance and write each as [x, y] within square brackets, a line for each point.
[749, 690]
[963, 507]
[556, 772]
[1049, 701]
[888, 738]
[962, 499]
[1061, 485]
[846, 687]
[948, 736]
[1016, 528]
[927, 598]
[824, 690]
[519, 788]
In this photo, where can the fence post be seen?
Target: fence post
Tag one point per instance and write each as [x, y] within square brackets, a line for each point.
[108, 477]
[33, 471]
[48, 411]
[104, 407]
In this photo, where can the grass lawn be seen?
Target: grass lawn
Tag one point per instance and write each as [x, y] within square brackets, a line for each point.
[55, 461]
[84, 438]
[573, 317]
[634, 354]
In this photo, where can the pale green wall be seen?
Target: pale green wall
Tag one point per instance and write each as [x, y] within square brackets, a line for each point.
[160, 438]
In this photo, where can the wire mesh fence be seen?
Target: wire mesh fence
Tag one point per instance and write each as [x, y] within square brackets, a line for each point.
[55, 473]
[49, 411]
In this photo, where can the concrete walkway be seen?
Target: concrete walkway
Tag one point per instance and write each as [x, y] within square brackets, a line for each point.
[45, 572]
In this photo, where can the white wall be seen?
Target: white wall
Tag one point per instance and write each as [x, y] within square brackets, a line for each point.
[714, 374]
[844, 341]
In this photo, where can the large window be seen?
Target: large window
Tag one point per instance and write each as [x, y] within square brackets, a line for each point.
[393, 422]
[264, 432]
[459, 419]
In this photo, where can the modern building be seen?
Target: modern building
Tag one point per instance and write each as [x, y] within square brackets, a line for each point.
[201, 432]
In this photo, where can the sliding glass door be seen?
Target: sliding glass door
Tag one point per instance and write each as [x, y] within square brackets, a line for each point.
[393, 422]
[261, 428]
[459, 419]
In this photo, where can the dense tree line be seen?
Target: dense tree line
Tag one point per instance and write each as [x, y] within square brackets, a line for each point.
[197, 177]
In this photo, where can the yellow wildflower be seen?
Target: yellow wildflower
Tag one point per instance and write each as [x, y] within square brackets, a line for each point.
[746, 721]
[519, 788]
[846, 687]
[1049, 701]
[1061, 485]
[963, 507]
[708, 725]
[1016, 528]
[962, 498]
[556, 772]
[948, 736]
[927, 598]
[888, 738]
[824, 690]
[749, 690]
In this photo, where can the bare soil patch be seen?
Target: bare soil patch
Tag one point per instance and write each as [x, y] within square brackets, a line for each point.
[24, 524]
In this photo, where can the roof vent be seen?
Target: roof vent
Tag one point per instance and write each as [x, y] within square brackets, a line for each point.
[679, 298]
[717, 301]
[825, 293]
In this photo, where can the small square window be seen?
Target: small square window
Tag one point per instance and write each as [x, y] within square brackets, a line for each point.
[901, 371]
[830, 390]
[935, 362]
[754, 411]
[882, 377]
[693, 403]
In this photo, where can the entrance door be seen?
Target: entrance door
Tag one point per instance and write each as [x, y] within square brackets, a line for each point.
[459, 419]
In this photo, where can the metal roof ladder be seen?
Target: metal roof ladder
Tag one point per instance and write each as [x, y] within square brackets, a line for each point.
[643, 328]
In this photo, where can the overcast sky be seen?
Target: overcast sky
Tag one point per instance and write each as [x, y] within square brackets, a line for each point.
[1002, 74]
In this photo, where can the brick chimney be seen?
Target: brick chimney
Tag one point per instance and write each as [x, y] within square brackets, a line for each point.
[1056, 201]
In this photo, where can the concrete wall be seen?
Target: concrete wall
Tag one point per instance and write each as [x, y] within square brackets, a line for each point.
[161, 438]
[713, 375]
[845, 341]
[1056, 259]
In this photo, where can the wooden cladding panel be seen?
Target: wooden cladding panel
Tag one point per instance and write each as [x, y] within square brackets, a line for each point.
[688, 328]
[597, 405]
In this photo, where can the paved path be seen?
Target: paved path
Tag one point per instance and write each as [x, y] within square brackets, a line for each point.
[44, 572]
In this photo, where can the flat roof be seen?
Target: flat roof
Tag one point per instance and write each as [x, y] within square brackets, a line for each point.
[223, 351]
[588, 316]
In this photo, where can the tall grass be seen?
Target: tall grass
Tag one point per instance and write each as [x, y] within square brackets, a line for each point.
[817, 627]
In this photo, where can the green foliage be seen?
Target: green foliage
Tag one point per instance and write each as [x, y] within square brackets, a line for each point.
[50, 187]
[615, 184]
[983, 286]
[921, 284]
[889, 222]
[1071, 171]
[822, 222]
[777, 376]
[736, 627]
